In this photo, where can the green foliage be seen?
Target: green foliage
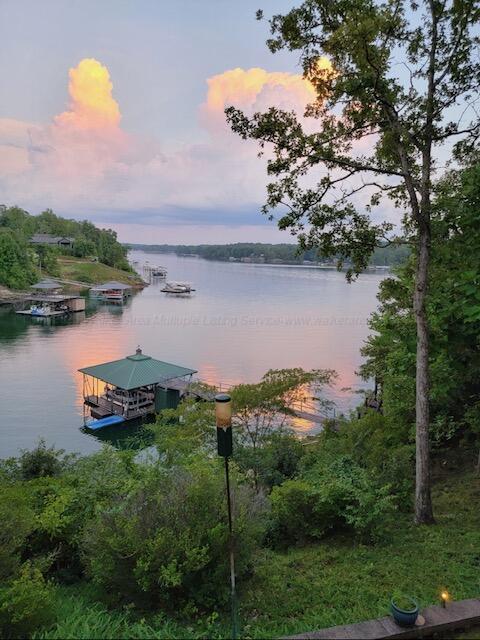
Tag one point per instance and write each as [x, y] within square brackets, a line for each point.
[17, 261]
[360, 96]
[17, 270]
[186, 431]
[327, 497]
[263, 444]
[26, 604]
[166, 543]
[454, 326]
[262, 408]
[154, 534]
[81, 616]
[89, 271]
[48, 259]
[380, 446]
[276, 460]
[40, 462]
[84, 247]
[296, 512]
[17, 522]
[334, 582]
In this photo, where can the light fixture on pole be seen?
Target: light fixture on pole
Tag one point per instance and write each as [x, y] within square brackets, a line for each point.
[223, 418]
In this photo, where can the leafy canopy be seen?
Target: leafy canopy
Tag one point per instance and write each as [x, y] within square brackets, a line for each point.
[402, 81]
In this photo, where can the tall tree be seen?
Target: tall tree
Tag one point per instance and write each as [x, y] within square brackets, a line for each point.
[402, 81]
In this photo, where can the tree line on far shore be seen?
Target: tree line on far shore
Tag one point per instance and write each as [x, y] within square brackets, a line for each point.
[388, 255]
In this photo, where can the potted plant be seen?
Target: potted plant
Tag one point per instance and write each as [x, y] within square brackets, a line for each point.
[404, 609]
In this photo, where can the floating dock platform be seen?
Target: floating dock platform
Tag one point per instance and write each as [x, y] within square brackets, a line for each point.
[47, 306]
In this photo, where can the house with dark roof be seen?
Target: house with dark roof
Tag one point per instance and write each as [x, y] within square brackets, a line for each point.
[53, 241]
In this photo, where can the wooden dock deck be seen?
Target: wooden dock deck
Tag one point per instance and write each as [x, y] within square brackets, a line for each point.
[438, 620]
[102, 408]
[311, 417]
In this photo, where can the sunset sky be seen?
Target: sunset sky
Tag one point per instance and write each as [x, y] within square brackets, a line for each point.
[113, 111]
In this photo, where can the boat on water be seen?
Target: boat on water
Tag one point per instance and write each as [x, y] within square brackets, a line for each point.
[178, 288]
[155, 272]
[40, 310]
[159, 272]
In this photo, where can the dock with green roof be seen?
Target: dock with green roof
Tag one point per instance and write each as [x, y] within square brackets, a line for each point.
[132, 388]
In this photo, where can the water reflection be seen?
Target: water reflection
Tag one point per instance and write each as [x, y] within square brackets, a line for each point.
[134, 436]
[242, 321]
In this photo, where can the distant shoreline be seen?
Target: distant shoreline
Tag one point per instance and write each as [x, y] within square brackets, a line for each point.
[295, 265]
[382, 259]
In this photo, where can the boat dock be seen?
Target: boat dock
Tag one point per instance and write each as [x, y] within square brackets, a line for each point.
[131, 388]
[47, 306]
[46, 301]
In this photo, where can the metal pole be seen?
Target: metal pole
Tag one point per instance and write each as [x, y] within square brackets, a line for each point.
[232, 557]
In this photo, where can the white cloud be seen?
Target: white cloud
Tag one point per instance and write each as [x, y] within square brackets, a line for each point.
[84, 162]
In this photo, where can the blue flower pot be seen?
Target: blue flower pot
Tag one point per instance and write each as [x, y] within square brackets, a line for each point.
[404, 617]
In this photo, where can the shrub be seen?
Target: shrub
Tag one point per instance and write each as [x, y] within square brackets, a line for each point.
[339, 494]
[17, 270]
[376, 445]
[166, 542]
[276, 460]
[40, 462]
[294, 516]
[65, 504]
[26, 604]
[17, 521]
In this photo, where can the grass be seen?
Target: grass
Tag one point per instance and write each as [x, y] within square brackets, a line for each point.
[88, 272]
[334, 582]
[82, 618]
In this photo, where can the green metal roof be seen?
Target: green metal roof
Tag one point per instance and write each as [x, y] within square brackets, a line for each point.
[136, 371]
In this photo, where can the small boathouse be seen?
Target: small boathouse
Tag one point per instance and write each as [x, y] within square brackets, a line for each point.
[131, 388]
[112, 290]
[46, 300]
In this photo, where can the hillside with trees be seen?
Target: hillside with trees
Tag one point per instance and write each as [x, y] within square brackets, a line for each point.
[20, 261]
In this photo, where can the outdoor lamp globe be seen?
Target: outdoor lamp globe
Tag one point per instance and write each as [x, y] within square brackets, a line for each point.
[223, 411]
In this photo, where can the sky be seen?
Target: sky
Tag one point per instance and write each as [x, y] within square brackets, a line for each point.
[113, 111]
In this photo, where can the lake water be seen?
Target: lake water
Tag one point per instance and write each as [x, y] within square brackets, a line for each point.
[242, 320]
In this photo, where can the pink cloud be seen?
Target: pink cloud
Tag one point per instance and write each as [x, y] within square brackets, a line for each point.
[83, 160]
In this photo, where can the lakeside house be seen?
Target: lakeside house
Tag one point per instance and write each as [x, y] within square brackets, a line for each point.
[63, 242]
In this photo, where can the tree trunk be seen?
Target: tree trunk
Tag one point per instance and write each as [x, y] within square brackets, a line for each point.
[423, 500]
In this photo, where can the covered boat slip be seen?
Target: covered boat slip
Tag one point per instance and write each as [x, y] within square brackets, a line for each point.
[47, 301]
[132, 387]
[111, 291]
[52, 305]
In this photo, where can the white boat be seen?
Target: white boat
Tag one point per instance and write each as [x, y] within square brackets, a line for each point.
[42, 311]
[158, 272]
[178, 288]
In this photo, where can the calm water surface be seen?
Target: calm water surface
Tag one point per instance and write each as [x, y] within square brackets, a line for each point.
[242, 320]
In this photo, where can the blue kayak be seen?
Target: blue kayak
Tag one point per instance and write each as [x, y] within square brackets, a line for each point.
[104, 422]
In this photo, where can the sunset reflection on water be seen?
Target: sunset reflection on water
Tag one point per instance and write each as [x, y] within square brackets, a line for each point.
[241, 321]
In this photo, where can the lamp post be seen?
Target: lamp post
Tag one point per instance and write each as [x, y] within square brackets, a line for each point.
[223, 418]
